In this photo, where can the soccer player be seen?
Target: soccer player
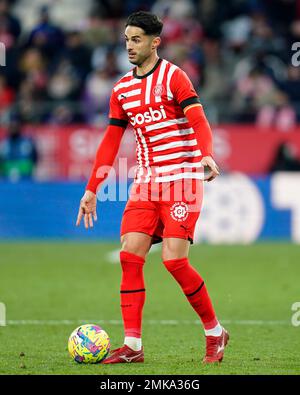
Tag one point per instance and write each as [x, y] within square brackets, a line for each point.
[174, 144]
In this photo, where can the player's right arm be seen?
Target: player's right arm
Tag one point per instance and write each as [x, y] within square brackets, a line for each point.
[105, 156]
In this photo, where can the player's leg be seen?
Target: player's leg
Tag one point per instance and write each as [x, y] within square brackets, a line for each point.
[135, 247]
[179, 217]
[137, 227]
[175, 259]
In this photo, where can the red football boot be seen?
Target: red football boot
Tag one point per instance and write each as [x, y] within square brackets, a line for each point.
[215, 346]
[125, 354]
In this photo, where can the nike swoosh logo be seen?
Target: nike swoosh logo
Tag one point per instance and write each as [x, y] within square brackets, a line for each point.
[130, 359]
[221, 348]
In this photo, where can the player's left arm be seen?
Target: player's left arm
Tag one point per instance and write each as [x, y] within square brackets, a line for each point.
[197, 119]
[189, 101]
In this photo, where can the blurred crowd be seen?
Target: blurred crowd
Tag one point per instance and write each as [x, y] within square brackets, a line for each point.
[236, 52]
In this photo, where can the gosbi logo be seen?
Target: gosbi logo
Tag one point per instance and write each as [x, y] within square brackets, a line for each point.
[148, 116]
[179, 211]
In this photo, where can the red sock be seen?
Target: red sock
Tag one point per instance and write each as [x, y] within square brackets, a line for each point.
[194, 289]
[132, 293]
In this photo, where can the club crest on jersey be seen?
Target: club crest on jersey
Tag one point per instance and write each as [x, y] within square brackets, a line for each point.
[158, 90]
[147, 116]
[179, 211]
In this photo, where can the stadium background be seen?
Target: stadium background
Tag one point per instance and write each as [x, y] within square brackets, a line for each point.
[62, 58]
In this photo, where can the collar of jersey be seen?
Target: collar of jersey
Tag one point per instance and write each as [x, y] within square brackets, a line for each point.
[149, 72]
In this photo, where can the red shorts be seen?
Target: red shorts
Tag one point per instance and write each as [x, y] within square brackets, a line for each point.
[164, 209]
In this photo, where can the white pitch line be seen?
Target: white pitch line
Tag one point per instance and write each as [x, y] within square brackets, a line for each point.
[113, 256]
[150, 322]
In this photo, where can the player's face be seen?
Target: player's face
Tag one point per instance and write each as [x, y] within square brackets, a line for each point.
[139, 45]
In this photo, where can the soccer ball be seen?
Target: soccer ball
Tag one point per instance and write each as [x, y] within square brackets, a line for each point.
[88, 344]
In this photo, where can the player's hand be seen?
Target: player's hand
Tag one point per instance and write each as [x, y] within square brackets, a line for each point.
[208, 162]
[87, 209]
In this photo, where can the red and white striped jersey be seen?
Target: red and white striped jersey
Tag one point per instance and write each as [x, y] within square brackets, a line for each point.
[167, 148]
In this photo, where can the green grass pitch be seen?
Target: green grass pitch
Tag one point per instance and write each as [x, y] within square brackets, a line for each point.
[51, 288]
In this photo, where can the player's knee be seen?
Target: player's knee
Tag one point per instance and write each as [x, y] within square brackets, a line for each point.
[133, 247]
[171, 251]
[174, 248]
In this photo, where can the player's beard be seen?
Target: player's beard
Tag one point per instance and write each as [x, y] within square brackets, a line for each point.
[134, 62]
[138, 61]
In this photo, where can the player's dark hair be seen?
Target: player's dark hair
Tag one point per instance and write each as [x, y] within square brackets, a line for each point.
[150, 23]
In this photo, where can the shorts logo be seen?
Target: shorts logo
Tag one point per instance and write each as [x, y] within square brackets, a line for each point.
[158, 90]
[179, 211]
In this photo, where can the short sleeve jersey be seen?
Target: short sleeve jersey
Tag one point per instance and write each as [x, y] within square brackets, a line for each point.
[153, 104]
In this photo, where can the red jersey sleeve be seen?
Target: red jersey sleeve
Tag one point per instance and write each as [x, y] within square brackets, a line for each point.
[117, 116]
[186, 96]
[182, 88]
[106, 154]
[197, 119]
